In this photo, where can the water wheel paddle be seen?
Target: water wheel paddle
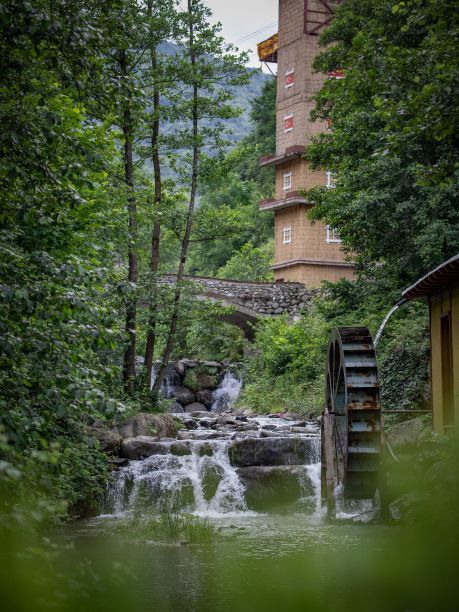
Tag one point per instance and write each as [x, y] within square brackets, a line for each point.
[351, 421]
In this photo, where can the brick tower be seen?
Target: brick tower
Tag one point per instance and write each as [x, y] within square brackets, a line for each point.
[304, 252]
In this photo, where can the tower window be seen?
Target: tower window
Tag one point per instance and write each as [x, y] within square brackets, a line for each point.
[289, 79]
[287, 235]
[288, 123]
[330, 180]
[332, 235]
[287, 180]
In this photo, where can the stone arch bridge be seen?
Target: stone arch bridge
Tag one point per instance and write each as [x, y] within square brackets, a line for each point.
[251, 301]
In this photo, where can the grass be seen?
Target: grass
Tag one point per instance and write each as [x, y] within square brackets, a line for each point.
[170, 527]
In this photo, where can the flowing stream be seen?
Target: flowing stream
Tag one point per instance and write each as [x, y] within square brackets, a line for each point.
[252, 484]
[218, 462]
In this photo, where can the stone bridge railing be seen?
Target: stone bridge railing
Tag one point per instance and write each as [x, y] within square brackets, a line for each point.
[259, 298]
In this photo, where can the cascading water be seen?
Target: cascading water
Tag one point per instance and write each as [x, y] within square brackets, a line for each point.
[169, 382]
[227, 393]
[312, 482]
[200, 483]
[223, 466]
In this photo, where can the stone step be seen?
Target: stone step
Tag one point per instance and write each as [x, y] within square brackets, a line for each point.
[276, 488]
[274, 451]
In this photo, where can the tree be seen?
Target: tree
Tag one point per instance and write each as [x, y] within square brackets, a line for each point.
[236, 194]
[160, 16]
[55, 319]
[250, 263]
[206, 67]
[393, 142]
[123, 70]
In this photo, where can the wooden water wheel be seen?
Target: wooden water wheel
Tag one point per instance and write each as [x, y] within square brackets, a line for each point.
[351, 421]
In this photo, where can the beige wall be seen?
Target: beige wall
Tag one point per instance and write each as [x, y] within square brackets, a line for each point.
[312, 275]
[440, 305]
[308, 239]
[297, 52]
[302, 177]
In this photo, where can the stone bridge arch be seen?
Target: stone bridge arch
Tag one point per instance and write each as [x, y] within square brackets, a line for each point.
[251, 300]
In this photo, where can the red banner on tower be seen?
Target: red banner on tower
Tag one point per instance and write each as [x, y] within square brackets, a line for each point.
[288, 123]
[289, 79]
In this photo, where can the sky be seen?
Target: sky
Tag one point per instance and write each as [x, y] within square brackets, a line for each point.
[240, 20]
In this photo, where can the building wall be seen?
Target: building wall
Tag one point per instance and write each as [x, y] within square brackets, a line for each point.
[302, 177]
[441, 305]
[296, 53]
[313, 275]
[308, 242]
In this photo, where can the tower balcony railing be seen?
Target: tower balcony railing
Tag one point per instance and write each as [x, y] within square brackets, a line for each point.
[291, 199]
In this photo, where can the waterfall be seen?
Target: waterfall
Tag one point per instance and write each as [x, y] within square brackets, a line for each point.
[170, 380]
[222, 466]
[227, 393]
[199, 483]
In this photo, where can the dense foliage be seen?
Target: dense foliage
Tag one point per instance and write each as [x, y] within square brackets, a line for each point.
[393, 150]
[393, 144]
[76, 208]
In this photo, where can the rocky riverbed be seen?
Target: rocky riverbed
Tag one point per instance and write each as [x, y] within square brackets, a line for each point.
[216, 463]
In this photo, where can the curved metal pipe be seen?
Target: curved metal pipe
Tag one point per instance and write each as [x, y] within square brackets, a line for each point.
[386, 319]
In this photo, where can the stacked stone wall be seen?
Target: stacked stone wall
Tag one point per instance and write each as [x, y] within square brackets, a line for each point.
[262, 298]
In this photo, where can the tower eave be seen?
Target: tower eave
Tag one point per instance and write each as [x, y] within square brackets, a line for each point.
[294, 199]
[290, 153]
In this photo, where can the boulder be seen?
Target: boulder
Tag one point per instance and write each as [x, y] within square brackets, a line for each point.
[273, 451]
[109, 440]
[204, 397]
[183, 395]
[141, 447]
[267, 433]
[273, 487]
[200, 414]
[190, 423]
[175, 408]
[405, 436]
[147, 424]
[212, 364]
[206, 381]
[180, 368]
[206, 450]
[189, 363]
[180, 449]
[194, 407]
[207, 423]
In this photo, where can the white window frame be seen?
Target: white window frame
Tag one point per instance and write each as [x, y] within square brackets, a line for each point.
[286, 130]
[287, 181]
[288, 85]
[332, 236]
[287, 234]
[330, 184]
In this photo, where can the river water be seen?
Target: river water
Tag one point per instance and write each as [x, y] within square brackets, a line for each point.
[229, 537]
[256, 562]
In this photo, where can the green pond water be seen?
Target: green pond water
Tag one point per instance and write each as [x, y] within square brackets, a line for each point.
[253, 562]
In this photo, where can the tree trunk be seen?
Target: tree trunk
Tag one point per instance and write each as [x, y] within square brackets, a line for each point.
[156, 233]
[189, 219]
[131, 307]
